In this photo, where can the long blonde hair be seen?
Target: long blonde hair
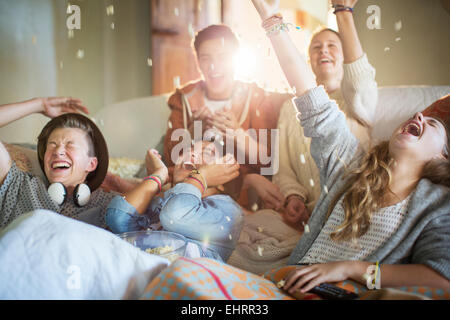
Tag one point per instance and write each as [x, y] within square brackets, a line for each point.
[367, 185]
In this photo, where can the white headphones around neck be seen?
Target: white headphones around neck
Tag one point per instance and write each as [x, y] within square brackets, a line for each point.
[81, 194]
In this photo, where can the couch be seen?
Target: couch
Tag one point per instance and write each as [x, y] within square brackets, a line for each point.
[131, 127]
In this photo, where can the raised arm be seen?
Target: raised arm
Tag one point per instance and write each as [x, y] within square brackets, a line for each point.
[358, 86]
[333, 146]
[295, 68]
[50, 107]
[349, 36]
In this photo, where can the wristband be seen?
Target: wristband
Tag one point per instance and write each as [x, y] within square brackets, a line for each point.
[199, 182]
[373, 282]
[196, 172]
[339, 8]
[377, 267]
[274, 24]
[157, 179]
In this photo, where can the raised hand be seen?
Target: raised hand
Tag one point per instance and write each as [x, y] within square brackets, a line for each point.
[266, 8]
[55, 106]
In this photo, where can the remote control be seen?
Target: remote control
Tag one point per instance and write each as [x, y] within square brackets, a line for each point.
[332, 292]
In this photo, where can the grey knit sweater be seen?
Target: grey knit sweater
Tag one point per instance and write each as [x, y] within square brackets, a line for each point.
[424, 235]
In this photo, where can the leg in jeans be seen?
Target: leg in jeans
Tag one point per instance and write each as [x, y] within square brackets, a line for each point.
[214, 222]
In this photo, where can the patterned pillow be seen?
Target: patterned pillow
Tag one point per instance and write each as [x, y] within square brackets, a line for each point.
[208, 279]
[125, 167]
[25, 158]
[19, 157]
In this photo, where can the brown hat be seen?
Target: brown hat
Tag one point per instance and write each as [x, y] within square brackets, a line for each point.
[75, 120]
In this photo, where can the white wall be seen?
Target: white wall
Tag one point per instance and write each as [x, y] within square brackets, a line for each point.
[38, 58]
[417, 53]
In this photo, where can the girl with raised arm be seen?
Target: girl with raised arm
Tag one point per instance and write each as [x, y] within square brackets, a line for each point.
[341, 66]
[385, 206]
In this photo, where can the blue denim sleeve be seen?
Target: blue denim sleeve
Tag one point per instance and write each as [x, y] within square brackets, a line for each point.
[123, 217]
[214, 222]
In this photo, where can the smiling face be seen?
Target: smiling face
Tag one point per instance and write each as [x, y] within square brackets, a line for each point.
[67, 157]
[215, 61]
[326, 55]
[421, 138]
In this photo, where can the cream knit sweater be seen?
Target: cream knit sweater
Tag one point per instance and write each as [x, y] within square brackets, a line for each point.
[298, 173]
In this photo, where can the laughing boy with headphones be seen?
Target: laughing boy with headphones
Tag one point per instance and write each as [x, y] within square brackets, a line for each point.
[72, 153]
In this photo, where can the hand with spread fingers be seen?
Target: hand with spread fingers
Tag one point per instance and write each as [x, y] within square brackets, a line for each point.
[55, 106]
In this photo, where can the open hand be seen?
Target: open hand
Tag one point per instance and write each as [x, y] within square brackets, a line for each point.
[266, 8]
[55, 106]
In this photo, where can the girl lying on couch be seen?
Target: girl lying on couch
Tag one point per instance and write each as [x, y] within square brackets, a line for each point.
[191, 208]
[389, 205]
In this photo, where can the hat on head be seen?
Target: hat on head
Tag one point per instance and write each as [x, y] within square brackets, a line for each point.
[79, 121]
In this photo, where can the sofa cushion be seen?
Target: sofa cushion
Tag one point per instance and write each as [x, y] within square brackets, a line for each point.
[397, 104]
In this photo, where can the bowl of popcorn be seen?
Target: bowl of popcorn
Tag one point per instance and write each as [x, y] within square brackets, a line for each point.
[166, 244]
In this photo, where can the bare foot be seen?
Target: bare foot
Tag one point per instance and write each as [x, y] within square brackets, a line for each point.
[155, 165]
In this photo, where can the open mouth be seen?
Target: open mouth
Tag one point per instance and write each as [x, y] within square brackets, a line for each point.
[413, 128]
[60, 165]
[325, 60]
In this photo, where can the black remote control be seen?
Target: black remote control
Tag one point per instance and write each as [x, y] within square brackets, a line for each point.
[332, 292]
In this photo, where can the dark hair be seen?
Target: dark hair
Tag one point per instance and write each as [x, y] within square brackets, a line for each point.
[96, 141]
[213, 32]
